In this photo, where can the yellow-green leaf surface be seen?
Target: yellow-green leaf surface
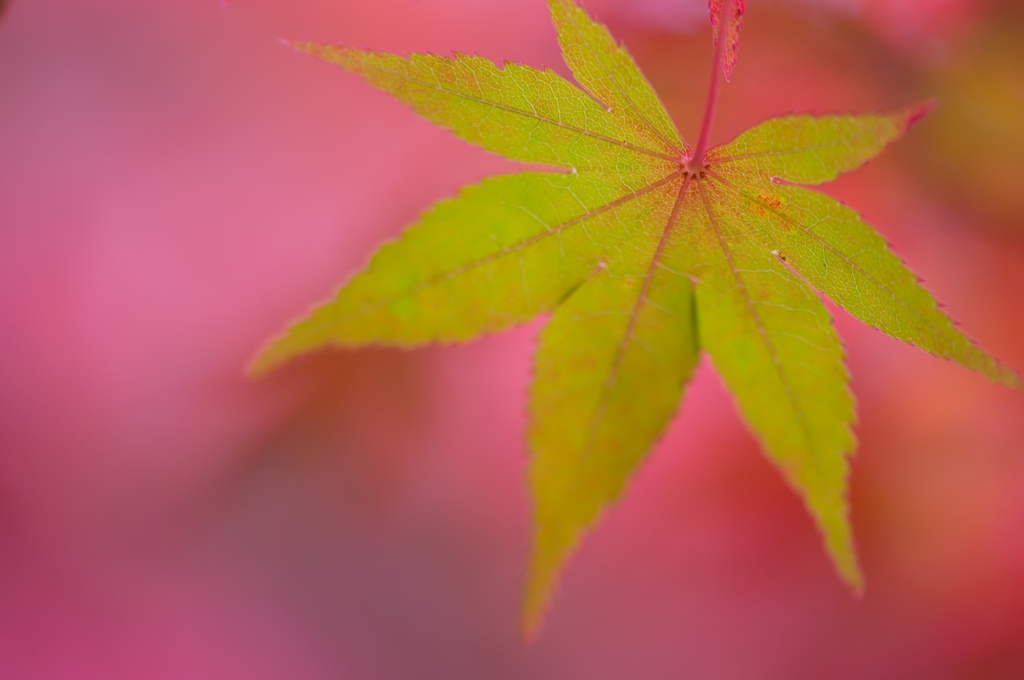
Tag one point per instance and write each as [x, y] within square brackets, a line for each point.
[609, 374]
[824, 241]
[644, 258]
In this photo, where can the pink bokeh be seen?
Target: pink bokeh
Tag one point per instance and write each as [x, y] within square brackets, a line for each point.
[176, 185]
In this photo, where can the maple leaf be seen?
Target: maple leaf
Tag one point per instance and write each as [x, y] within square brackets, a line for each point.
[645, 252]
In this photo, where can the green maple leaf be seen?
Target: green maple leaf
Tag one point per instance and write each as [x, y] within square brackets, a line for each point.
[645, 253]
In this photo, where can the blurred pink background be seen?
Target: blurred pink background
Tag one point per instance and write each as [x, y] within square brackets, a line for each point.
[175, 186]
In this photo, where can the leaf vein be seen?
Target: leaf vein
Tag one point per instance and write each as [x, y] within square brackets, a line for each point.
[846, 259]
[510, 109]
[625, 96]
[762, 331]
[620, 355]
[458, 271]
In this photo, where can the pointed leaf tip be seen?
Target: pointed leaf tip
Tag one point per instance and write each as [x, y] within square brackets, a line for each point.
[312, 48]
[535, 611]
[297, 45]
[921, 110]
[267, 360]
[715, 9]
[542, 582]
[840, 547]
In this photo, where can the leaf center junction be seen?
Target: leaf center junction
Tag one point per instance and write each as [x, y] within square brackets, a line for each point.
[692, 166]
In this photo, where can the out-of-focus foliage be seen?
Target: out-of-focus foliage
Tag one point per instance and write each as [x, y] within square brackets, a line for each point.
[973, 150]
